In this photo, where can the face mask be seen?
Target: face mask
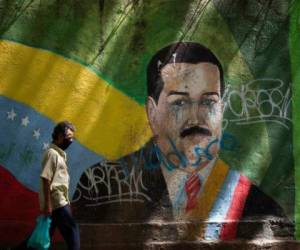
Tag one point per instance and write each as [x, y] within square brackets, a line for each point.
[65, 144]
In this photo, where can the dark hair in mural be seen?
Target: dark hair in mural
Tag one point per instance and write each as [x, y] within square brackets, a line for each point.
[181, 52]
[61, 128]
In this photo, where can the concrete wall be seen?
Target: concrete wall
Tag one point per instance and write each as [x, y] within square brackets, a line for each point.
[134, 168]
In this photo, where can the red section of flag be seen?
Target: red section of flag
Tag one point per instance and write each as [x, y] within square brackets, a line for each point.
[192, 187]
[229, 228]
[18, 209]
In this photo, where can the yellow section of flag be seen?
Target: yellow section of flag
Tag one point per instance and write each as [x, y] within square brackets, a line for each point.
[108, 122]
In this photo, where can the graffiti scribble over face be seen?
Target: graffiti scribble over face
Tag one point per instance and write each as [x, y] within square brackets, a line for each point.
[189, 109]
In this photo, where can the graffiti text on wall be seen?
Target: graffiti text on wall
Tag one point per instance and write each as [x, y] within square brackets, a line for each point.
[255, 105]
[104, 177]
[122, 180]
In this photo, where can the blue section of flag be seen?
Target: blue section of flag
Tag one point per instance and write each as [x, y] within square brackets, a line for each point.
[24, 135]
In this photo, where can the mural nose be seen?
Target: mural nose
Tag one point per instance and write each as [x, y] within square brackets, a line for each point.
[195, 116]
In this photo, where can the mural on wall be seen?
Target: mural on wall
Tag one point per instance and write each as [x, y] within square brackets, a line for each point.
[183, 110]
[179, 170]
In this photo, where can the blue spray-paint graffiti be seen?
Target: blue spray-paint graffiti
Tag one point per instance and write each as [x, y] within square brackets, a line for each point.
[228, 143]
[127, 173]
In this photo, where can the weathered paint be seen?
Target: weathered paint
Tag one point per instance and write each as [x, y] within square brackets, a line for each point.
[86, 62]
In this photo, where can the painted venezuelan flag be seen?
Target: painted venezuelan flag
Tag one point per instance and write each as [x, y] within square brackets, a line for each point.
[36, 91]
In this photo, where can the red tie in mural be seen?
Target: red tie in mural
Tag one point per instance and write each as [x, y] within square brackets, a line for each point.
[192, 188]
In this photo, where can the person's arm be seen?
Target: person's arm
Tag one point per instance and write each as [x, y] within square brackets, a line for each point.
[46, 190]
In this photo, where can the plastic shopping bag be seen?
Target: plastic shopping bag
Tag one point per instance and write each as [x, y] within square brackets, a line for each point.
[40, 238]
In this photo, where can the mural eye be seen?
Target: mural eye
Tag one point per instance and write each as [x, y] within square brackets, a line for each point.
[208, 102]
[179, 103]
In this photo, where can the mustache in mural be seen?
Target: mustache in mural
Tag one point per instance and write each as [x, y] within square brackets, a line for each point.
[194, 131]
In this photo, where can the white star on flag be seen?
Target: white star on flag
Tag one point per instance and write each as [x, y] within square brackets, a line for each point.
[11, 115]
[36, 133]
[45, 145]
[25, 121]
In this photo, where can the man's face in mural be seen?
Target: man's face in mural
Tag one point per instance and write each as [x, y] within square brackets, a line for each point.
[188, 112]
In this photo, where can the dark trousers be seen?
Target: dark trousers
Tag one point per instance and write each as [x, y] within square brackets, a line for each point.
[63, 220]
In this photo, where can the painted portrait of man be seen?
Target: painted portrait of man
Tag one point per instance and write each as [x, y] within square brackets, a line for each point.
[178, 174]
[184, 108]
[184, 105]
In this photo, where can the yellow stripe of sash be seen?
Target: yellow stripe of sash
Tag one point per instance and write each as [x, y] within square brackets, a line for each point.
[206, 200]
[108, 122]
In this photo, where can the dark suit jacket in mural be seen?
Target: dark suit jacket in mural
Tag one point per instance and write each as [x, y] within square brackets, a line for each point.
[133, 189]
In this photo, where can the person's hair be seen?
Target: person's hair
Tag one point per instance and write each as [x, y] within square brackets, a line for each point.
[181, 52]
[61, 128]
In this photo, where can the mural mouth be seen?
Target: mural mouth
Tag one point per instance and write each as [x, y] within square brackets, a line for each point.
[195, 130]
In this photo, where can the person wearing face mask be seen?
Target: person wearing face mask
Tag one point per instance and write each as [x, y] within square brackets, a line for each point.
[54, 197]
